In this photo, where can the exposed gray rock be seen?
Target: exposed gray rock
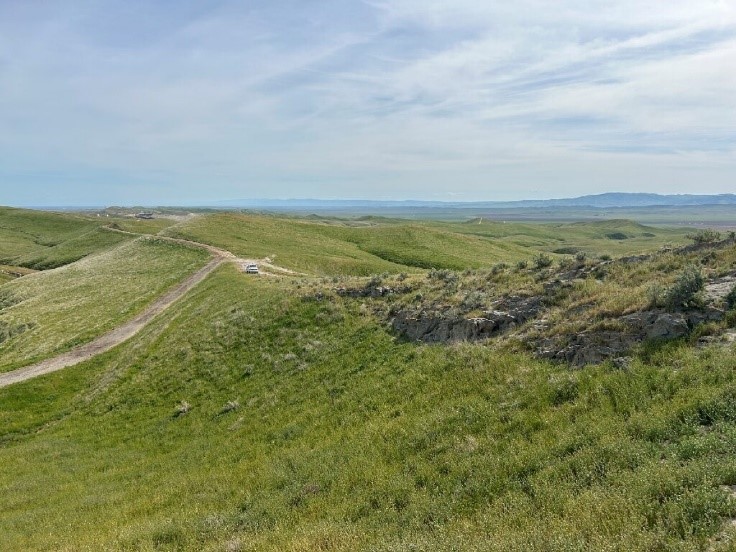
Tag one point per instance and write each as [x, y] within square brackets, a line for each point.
[716, 290]
[657, 325]
[442, 326]
[588, 347]
[521, 308]
[668, 326]
[434, 328]
[439, 323]
[708, 314]
[371, 291]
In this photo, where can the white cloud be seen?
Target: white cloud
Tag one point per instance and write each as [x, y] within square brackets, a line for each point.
[403, 98]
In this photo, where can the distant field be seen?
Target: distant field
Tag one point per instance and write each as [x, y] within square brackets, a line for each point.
[686, 215]
[612, 237]
[700, 215]
[71, 305]
[374, 245]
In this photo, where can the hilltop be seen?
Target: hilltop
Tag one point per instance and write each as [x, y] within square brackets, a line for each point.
[343, 399]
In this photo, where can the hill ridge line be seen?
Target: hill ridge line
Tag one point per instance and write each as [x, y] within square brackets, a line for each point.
[115, 336]
[129, 329]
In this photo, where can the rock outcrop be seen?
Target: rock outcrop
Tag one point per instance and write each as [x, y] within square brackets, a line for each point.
[439, 327]
[586, 347]
[435, 328]
[531, 318]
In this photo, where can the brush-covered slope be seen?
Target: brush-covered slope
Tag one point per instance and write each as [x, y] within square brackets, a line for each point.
[51, 311]
[255, 416]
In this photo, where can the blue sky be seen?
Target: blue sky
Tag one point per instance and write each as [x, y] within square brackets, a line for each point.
[176, 102]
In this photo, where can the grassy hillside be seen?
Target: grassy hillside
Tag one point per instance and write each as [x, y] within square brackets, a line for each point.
[252, 418]
[298, 244]
[52, 311]
[611, 237]
[374, 245]
[140, 226]
[42, 240]
[275, 413]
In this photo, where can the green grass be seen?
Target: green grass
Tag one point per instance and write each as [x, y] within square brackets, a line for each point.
[73, 304]
[361, 247]
[595, 238]
[298, 244]
[43, 240]
[271, 414]
[426, 245]
[140, 226]
[344, 439]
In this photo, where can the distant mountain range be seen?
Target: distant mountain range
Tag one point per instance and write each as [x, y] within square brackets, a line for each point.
[607, 200]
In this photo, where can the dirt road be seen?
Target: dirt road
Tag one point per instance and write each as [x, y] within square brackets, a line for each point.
[226, 255]
[113, 338]
[122, 333]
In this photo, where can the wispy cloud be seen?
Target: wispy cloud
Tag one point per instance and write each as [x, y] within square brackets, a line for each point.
[186, 101]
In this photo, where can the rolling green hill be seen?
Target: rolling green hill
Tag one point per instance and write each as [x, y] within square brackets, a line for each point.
[43, 240]
[51, 311]
[251, 419]
[277, 413]
[372, 245]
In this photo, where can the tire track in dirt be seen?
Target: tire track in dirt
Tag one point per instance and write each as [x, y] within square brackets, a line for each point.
[127, 330]
[114, 337]
[227, 255]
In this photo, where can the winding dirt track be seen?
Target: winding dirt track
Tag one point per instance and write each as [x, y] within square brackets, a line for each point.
[124, 332]
[113, 338]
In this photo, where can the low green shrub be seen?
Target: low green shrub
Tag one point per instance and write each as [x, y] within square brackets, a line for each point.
[542, 261]
[731, 298]
[704, 236]
[8, 299]
[685, 293]
[442, 275]
[617, 236]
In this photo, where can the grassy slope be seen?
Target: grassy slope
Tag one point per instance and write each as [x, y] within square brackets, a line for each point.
[77, 302]
[590, 237]
[43, 240]
[342, 247]
[141, 226]
[346, 440]
[426, 245]
[300, 245]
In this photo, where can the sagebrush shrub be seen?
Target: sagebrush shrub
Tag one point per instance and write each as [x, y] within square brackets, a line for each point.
[542, 261]
[731, 298]
[685, 291]
[443, 275]
[704, 236]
